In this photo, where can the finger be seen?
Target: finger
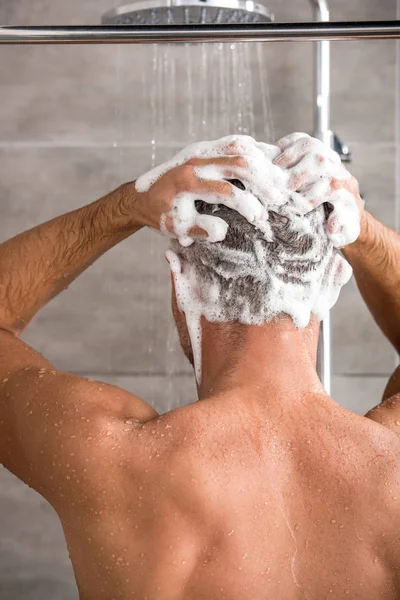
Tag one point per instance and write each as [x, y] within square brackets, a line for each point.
[301, 204]
[343, 225]
[214, 227]
[243, 202]
[193, 232]
[239, 144]
[291, 156]
[289, 140]
[166, 224]
[229, 145]
[185, 217]
[228, 161]
[246, 205]
[269, 150]
[304, 146]
[259, 176]
[197, 232]
[337, 274]
[316, 193]
[311, 168]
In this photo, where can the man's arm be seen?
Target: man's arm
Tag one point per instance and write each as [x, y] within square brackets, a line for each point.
[375, 258]
[37, 400]
[43, 412]
[38, 264]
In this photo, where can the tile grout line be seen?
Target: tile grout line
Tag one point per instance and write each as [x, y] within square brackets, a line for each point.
[138, 145]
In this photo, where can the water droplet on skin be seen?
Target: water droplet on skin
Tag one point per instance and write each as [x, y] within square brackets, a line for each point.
[347, 592]
[397, 422]
[333, 520]
[346, 508]
[108, 433]
[128, 422]
[376, 559]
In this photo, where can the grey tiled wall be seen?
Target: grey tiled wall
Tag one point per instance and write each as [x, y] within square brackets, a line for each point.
[74, 123]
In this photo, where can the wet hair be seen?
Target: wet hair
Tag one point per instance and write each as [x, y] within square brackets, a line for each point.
[248, 279]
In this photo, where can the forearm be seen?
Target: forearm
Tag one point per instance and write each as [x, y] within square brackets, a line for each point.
[375, 258]
[38, 264]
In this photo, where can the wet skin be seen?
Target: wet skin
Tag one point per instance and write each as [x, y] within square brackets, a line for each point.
[243, 494]
[265, 489]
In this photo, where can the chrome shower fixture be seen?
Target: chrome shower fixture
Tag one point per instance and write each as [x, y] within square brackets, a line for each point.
[188, 12]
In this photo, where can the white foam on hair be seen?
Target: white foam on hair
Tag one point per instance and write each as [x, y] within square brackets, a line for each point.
[263, 179]
[189, 302]
[229, 145]
[315, 290]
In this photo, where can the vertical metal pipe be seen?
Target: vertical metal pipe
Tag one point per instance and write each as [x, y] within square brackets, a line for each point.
[322, 130]
[322, 83]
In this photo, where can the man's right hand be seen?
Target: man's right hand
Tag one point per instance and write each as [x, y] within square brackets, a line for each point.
[169, 203]
[165, 197]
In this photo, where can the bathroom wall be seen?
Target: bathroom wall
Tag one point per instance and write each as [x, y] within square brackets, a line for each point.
[74, 124]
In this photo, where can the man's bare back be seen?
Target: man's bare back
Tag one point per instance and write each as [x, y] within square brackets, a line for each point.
[217, 500]
[264, 489]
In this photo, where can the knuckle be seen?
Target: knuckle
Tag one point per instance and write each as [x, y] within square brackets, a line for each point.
[193, 162]
[336, 184]
[289, 154]
[314, 142]
[186, 174]
[241, 162]
[233, 147]
[223, 188]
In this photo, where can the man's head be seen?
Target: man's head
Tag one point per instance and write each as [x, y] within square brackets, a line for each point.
[250, 280]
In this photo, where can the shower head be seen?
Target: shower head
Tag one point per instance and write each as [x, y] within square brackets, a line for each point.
[188, 12]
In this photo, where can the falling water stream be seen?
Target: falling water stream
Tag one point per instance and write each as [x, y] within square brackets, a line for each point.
[202, 91]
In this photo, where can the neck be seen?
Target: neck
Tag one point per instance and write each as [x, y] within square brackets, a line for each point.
[276, 357]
